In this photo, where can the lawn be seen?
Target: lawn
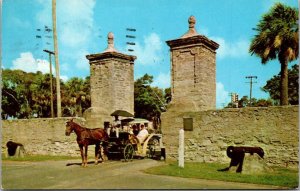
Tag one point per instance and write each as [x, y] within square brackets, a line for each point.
[279, 177]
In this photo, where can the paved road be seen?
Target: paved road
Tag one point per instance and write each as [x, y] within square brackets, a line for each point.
[108, 175]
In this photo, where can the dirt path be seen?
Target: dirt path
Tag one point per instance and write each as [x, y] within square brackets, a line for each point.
[109, 175]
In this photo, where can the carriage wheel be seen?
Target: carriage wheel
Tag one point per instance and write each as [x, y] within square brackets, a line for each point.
[128, 152]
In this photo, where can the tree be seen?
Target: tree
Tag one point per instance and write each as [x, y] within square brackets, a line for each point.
[76, 96]
[278, 38]
[147, 99]
[244, 102]
[168, 95]
[27, 95]
[262, 103]
[272, 86]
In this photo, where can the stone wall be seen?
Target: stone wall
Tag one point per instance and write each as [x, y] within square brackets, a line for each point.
[275, 129]
[44, 136]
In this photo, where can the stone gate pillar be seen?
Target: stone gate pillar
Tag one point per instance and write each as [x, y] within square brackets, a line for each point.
[193, 82]
[112, 84]
[193, 71]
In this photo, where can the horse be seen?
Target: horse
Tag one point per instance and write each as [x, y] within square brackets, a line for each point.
[86, 137]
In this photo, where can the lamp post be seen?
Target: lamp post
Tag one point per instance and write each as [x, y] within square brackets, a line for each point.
[51, 86]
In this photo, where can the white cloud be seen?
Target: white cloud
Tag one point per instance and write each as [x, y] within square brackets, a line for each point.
[82, 62]
[44, 16]
[235, 49]
[64, 78]
[222, 96]
[74, 27]
[162, 80]
[151, 52]
[28, 63]
[76, 21]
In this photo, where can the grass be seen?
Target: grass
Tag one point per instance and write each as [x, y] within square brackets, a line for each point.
[37, 158]
[278, 177]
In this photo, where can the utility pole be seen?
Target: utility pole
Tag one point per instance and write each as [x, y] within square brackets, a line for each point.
[56, 59]
[251, 82]
[51, 82]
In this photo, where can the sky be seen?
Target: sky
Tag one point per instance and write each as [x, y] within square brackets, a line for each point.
[83, 25]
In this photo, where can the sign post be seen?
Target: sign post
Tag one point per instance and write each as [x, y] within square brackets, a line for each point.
[181, 148]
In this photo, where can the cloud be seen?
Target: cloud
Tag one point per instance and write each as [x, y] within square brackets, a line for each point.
[82, 62]
[222, 96]
[64, 78]
[150, 52]
[235, 49]
[76, 22]
[162, 80]
[232, 49]
[28, 63]
[74, 27]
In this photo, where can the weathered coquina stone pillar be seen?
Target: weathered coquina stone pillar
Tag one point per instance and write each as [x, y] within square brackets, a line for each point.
[193, 82]
[193, 75]
[112, 84]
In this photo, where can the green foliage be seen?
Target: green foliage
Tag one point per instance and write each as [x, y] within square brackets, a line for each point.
[168, 95]
[279, 177]
[245, 102]
[148, 101]
[277, 35]
[27, 95]
[278, 38]
[273, 86]
[76, 97]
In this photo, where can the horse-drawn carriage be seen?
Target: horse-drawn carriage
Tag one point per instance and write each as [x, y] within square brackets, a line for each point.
[126, 147]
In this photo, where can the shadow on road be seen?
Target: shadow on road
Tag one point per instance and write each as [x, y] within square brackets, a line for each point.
[79, 163]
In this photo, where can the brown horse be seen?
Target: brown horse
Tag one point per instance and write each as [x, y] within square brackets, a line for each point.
[86, 137]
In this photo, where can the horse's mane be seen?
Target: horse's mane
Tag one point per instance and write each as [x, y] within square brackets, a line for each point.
[82, 127]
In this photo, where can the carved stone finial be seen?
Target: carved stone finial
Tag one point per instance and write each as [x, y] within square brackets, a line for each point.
[110, 43]
[192, 31]
[192, 21]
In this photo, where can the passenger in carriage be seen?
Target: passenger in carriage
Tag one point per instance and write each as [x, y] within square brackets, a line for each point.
[142, 135]
[135, 129]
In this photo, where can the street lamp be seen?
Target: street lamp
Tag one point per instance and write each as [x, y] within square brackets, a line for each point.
[51, 86]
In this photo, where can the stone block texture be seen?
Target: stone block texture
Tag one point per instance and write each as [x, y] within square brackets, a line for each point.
[275, 129]
[112, 85]
[193, 71]
[42, 136]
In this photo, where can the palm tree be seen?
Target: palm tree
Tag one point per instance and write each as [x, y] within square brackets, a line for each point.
[278, 38]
